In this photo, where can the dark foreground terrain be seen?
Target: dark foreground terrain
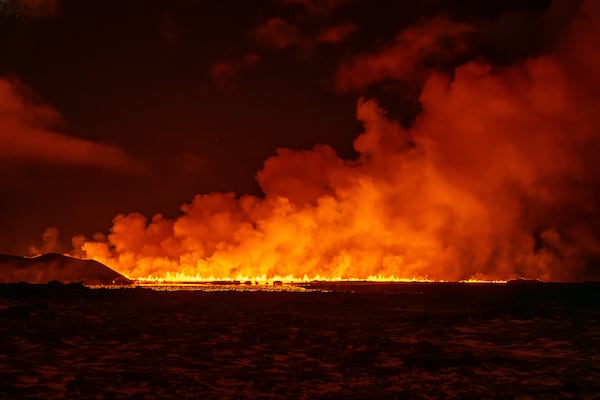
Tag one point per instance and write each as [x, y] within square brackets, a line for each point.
[447, 341]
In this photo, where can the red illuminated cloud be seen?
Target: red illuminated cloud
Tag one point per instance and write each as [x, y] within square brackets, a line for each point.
[224, 73]
[336, 34]
[27, 134]
[278, 34]
[437, 39]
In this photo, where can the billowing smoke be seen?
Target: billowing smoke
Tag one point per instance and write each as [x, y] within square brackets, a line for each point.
[496, 178]
[50, 243]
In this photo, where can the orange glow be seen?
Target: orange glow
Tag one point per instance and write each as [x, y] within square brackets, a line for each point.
[265, 280]
[495, 180]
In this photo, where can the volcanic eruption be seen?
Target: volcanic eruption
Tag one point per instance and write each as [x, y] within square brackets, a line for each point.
[496, 178]
[450, 144]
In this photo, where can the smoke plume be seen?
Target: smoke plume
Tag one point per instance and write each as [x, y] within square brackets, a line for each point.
[496, 179]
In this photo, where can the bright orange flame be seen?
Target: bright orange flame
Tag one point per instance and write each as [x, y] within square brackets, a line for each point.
[179, 277]
[264, 280]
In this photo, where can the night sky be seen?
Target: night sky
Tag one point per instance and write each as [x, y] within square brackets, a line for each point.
[140, 105]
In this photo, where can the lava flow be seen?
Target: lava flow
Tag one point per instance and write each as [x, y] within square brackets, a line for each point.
[497, 178]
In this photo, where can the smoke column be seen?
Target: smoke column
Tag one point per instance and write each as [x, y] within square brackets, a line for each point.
[497, 178]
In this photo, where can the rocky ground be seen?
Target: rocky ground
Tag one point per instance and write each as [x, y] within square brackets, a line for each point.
[354, 342]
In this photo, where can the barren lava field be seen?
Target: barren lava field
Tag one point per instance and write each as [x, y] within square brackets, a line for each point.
[524, 340]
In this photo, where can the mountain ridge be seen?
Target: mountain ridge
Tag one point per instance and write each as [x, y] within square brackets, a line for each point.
[57, 267]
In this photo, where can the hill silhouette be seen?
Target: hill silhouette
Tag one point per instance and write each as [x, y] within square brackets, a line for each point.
[56, 267]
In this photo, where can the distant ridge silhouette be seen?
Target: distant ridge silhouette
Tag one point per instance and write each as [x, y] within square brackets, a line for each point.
[56, 267]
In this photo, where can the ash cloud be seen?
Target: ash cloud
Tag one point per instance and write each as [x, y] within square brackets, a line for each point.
[495, 179]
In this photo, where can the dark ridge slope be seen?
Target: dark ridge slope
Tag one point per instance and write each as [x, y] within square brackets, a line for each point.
[56, 267]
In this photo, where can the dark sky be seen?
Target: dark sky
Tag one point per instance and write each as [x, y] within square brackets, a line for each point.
[188, 97]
